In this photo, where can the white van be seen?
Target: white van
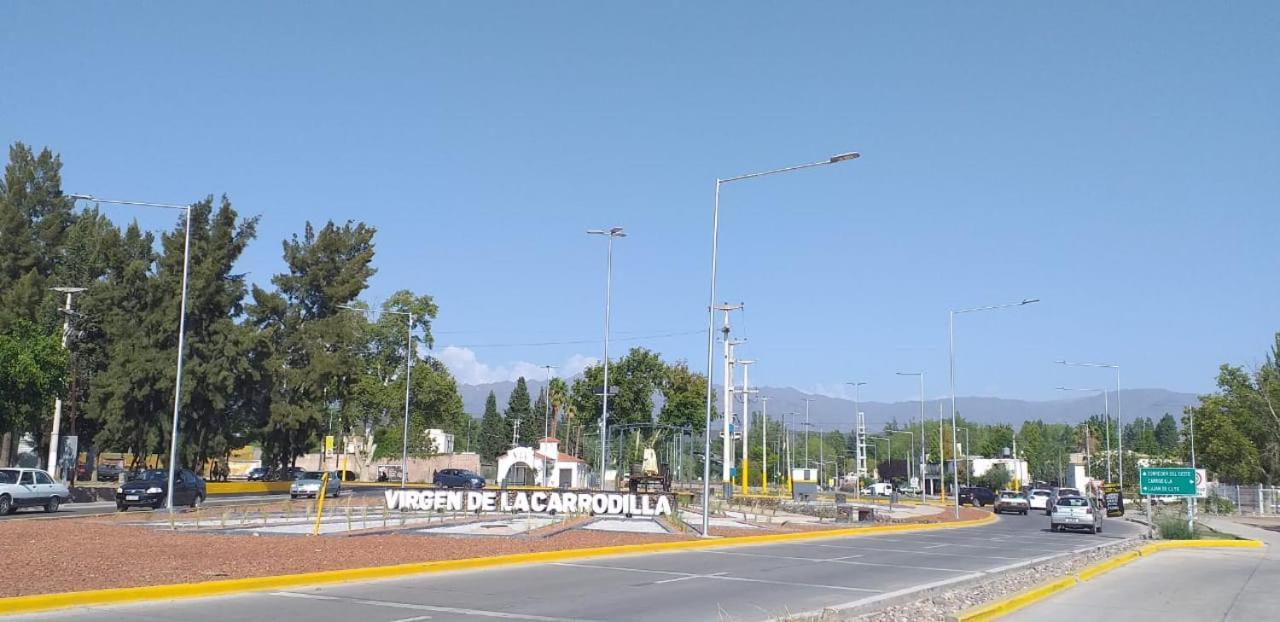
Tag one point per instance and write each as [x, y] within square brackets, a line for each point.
[881, 489]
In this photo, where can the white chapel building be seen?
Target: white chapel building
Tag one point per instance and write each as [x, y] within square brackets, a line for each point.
[544, 466]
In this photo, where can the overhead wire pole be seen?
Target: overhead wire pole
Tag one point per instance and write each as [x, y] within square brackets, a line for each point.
[951, 339]
[711, 314]
[922, 442]
[546, 424]
[807, 400]
[182, 325]
[55, 433]
[1119, 417]
[1106, 409]
[611, 233]
[764, 444]
[746, 424]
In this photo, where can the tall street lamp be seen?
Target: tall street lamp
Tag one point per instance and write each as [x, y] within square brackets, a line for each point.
[951, 338]
[920, 374]
[1106, 410]
[409, 355]
[1119, 417]
[182, 323]
[711, 313]
[546, 423]
[610, 234]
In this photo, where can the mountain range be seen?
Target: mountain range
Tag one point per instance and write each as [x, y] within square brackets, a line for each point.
[837, 413]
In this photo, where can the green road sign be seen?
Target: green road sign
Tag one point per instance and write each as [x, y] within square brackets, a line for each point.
[1173, 481]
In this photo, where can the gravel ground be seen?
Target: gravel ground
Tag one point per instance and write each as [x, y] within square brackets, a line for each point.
[939, 606]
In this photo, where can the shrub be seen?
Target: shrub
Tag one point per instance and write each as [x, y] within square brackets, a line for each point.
[1219, 505]
[1174, 528]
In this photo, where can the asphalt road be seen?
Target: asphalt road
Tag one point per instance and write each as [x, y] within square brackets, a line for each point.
[733, 583]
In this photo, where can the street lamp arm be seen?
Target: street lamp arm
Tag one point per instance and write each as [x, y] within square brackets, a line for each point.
[1003, 306]
[86, 197]
[1072, 364]
[852, 155]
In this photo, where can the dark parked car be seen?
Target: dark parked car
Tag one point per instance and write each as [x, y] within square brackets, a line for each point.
[256, 474]
[457, 478]
[977, 496]
[108, 472]
[150, 489]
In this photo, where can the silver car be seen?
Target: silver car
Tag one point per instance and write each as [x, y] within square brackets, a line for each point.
[1076, 513]
[308, 485]
[23, 488]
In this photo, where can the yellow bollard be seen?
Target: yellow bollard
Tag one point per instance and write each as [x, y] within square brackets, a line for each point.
[324, 485]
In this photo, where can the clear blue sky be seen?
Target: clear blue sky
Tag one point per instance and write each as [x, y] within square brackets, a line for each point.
[1117, 161]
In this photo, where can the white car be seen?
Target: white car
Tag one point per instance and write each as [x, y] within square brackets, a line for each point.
[24, 488]
[308, 485]
[1039, 498]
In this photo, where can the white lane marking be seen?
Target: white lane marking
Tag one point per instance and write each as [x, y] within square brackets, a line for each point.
[413, 619]
[934, 546]
[433, 608]
[718, 577]
[799, 559]
[695, 576]
[845, 560]
[904, 551]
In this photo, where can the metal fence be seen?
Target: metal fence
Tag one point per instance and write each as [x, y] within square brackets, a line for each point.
[1246, 499]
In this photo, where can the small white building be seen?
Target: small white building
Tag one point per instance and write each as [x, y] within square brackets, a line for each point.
[544, 466]
[441, 441]
[1016, 467]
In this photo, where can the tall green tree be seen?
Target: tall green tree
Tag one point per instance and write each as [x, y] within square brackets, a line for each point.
[519, 415]
[313, 349]
[684, 394]
[34, 219]
[1166, 434]
[494, 437]
[32, 368]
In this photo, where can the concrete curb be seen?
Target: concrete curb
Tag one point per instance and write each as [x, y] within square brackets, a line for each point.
[918, 592]
[45, 602]
[1001, 608]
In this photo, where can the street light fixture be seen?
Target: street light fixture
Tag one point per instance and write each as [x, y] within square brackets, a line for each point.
[611, 234]
[711, 315]
[182, 322]
[1119, 417]
[408, 376]
[951, 337]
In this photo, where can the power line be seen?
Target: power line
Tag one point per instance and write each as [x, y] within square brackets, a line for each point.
[573, 342]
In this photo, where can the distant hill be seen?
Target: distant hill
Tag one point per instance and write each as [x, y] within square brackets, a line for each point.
[830, 412]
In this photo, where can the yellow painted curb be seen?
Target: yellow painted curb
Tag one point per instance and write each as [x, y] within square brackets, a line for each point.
[1001, 608]
[44, 602]
[241, 488]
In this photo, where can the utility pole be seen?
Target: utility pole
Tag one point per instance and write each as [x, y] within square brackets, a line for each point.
[806, 431]
[547, 422]
[764, 444]
[726, 462]
[57, 404]
[746, 425]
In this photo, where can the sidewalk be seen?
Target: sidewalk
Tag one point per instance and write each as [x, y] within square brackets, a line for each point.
[1178, 585]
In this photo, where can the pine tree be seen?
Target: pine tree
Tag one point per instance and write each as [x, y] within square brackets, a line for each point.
[494, 437]
[311, 338]
[519, 414]
[1167, 435]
